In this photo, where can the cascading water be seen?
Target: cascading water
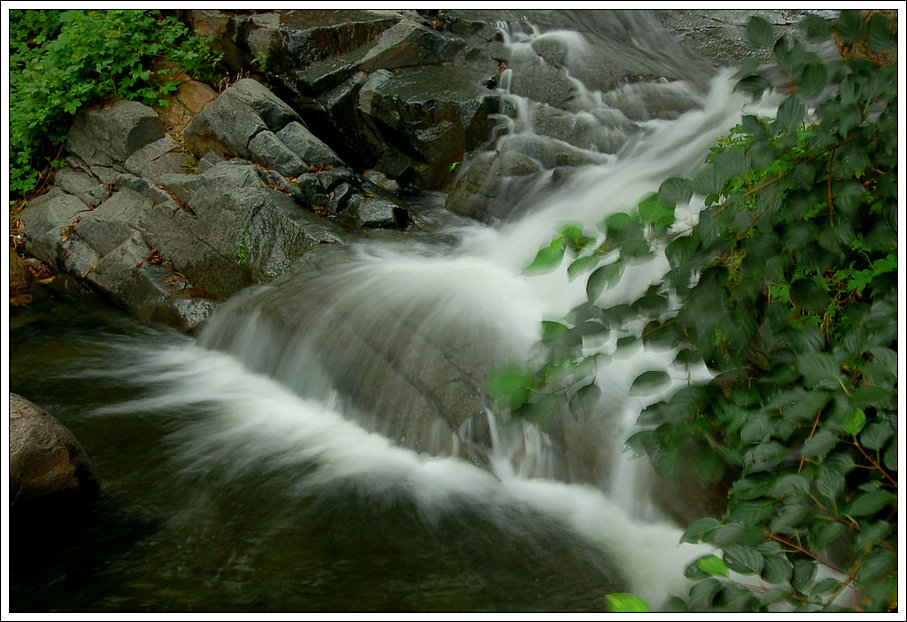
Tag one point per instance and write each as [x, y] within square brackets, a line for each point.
[340, 407]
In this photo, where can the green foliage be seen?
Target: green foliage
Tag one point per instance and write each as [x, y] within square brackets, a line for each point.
[61, 61]
[244, 247]
[786, 289]
[621, 602]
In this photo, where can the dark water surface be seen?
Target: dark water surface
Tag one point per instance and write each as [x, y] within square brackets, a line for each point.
[164, 538]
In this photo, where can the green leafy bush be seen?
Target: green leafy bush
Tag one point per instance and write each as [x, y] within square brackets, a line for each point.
[61, 61]
[786, 288]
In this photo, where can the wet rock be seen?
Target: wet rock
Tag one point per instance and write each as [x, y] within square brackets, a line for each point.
[309, 148]
[48, 221]
[249, 121]
[108, 136]
[488, 186]
[82, 185]
[368, 211]
[433, 113]
[46, 462]
[142, 162]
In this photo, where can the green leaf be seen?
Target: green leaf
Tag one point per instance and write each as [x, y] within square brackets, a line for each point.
[790, 485]
[681, 250]
[712, 565]
[871, 502]
[803, 575]
[602, 278]
[789, 519]
[552, 330]
[760, 33]
[582, 264]
[872, 533]
[875, 435]
[855, 422]
[757, 429]
[622, 602]
[824, 533]
[753, 85]
[819, 369]
[820, 444]
[655, 211]
[851, 26]
[876, 563]
[813, 80]
[743, 559]
[675, 191]
[824, 587]
[511, 385]
[816, 28]
[548, 257]
[650, 382]
[790, 113]
[777, 570]
[764, 457]
[830, 483]
[699, 529]
[879, 35]
[702, 593]
[890, 457]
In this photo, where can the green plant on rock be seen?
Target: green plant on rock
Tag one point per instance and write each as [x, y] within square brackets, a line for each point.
[786, 289]
[244, 248]
[61, 61]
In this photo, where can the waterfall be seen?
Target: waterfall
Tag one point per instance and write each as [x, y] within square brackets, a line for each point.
[365, 373]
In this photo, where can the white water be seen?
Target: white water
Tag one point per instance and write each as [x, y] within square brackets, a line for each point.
[310, 438]
[255, 425]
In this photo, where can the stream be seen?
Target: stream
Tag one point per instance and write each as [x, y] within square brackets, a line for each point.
[284, 459]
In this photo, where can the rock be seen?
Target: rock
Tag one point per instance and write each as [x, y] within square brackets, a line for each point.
[140, 161]
[190, 98]
[48, 220]
[113, 222]
[438, 113]
[408, 43]
[307, 146]
[84, 186]
[249, 121]
[46, 462]
[108, 136]
[236, 230]
[485, 188]
[373, 212]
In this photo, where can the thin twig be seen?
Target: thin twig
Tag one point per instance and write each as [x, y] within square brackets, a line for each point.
[874, 463]
[811, 432]
[802, 550]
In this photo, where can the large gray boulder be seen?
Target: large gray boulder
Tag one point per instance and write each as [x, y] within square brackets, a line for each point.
[46, 462]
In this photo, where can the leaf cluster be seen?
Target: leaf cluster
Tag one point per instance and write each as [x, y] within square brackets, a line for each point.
[786, 289]
[61, 61]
